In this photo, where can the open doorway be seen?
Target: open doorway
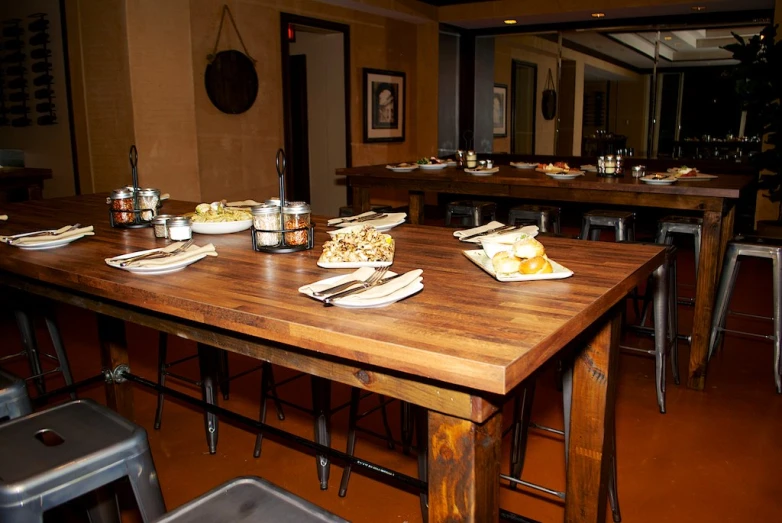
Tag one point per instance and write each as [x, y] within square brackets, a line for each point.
[523, 86]
[316, 109]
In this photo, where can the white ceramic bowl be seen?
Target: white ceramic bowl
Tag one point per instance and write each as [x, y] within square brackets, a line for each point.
[221, 227]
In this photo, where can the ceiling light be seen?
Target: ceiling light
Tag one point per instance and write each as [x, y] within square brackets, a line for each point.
[668, 38]
[510, 21]
[698, 8]
[598, 15]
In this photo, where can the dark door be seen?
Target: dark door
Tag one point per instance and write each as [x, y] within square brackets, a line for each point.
[299, 158]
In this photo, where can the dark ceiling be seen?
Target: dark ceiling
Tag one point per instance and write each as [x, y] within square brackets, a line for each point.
[441, 3]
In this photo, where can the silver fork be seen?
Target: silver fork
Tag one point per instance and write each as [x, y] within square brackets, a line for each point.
[373, 280]
[156, 254]
[349, 284]
[349, 219]
[15, 237]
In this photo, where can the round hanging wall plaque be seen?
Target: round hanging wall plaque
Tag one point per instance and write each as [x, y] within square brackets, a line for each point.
[231, 81]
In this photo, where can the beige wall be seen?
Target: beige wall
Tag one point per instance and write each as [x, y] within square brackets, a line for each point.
[47, 146]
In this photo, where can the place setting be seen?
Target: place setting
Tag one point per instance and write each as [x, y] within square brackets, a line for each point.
[404, 167]
[49, 238]
[380, 221]
[165, 260]
[496, 231]
[366, 288]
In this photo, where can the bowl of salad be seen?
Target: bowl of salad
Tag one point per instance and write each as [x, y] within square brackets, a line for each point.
[216, 218]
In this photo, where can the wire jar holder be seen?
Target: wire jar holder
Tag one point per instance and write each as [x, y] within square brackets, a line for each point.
[283, 238]
[132, 207]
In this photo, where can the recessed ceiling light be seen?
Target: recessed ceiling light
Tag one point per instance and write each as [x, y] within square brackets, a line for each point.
[598, 15]
[510, 21]
[668, 38]
[698, 8]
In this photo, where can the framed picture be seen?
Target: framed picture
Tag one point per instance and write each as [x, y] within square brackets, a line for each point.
[384, 106]
[500, 110]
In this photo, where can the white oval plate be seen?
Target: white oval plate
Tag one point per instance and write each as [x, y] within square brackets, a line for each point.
[523, 165]
[55, 243]
[564, 176]
[480, 259]
[656, 181]
[432, 166]
[221, 227]
[484, 172]
[402, 169]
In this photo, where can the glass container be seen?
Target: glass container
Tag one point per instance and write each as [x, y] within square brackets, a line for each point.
[122, 200]
[296, 215]
[266, 217]
[472, 159]
[180, 229]
[148, 200]
[160, 224]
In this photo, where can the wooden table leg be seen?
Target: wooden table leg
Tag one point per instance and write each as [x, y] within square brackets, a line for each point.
[464, 468]
[35, 191]
[416, 207]
[114, 352]
[591, 424]
[704, 296]
[360, 199]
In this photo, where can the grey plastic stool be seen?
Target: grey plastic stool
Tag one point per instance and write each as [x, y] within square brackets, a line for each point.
[691, 226]
[756, 248]
[249, 499]
[470, 212]
[14, 401]
[347, 210]
[544, 216]
[623, 223]
[53, 456]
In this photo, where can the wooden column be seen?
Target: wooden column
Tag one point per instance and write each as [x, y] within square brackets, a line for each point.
[708, 269]
[464, 468]
[360, 199]
[114, 352]
[592, 419]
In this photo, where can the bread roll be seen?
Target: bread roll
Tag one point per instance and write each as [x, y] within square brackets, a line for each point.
[536, 265]
[528, 248]
[505, 263]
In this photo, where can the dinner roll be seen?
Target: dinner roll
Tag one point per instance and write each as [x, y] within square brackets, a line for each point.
[505, 262]
[528, 248]
[536, 265]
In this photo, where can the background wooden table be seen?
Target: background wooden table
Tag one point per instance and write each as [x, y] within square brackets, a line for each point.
[24, 178]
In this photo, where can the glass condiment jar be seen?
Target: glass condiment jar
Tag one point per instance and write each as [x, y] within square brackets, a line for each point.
[273, 201]
[121, 200]
[160, 225]
[266, 217]
[148, 199]
[180, 228]
[610, 165]
[296, 215]
[472, 159]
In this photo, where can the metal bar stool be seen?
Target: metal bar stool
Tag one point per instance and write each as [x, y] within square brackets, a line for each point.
[14, 401]
[546, 217]
[471, 212]
[691, 226]
[757, 248]
[623, 223]
[249, 499]
[51, 457]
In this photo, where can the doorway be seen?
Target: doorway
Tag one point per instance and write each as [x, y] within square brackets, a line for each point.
[316, 110]
[523, 106]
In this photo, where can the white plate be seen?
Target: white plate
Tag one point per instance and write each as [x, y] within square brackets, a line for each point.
[556, 170]
[353, 265]
[221, 227]
[655, 181]
[166, 269]
[402, 169]
[482, 172]
[565, 176]
[432, 167]
[479, 258]
[53, 244]
[523, 165]
[451, 163]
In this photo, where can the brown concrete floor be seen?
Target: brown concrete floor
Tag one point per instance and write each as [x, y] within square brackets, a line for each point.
[714, 457]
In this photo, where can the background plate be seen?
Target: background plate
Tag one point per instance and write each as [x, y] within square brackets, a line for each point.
[221, 227]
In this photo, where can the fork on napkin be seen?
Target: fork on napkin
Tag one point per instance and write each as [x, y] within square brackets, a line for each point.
[43, 237]
[192, 253]
[378, 296]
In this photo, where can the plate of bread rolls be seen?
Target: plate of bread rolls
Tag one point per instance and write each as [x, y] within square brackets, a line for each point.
[525, 260]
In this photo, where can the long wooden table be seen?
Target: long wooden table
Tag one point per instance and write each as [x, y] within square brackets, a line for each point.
[28, 178]
[716, 199]
[458, 348]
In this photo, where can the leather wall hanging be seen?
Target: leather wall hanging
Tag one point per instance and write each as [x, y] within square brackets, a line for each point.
[548, 102]
[230, 78]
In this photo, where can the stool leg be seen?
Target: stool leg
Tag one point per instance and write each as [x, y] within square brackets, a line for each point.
[162, 355]
[477, 218]
[729, 272]
[620, 231]
[584, 229]
[522, 410]
[673, 322]
[267, 389]
[407, 421]
[422, 444]
[662, 234]
[27, 331]
[594, 234]
[386, 426]
[448, 216]
[59, 349]
[207, 360]
[223, 374]
[777, 323]
[268, 370]
[660, 331]
[321, 405]
[697, 239]
[558, 225]
[613, 495]
[355, 398]
[146, 487]
[102, 506]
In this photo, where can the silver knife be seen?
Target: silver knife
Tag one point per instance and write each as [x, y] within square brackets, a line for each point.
[490, 231]
[327, 301]
[368, 218]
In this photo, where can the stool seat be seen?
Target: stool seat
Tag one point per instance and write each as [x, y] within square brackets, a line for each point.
[546, 217]
[249, 499]
[54, 456]
[623, 223]
[689, 225]
[471, 212]
[14, 401]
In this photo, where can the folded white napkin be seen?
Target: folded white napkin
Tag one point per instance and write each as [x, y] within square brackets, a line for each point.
[192, 253]
[348, 219]
[387, 289]
[359, 275]
[242, 203]
[478, 230]
[3, 217]
[392, 218]
[509, 237]
[59, 234]
[380, 295]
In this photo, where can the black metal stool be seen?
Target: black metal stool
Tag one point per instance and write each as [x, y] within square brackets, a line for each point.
[14, 401]
[470, 212]
[546, 217]
[51, 457]
[757, 248]
[249, 499]
[623, 223]
[348, 210]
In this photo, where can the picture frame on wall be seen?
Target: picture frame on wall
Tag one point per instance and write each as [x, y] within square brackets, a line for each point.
[500, 110]
[384, 106]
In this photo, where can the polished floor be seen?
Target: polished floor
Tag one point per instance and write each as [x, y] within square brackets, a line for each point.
[714, 457]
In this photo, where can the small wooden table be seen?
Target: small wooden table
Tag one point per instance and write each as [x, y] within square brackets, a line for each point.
[458, 348]
[716, 199]
[28, 178]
